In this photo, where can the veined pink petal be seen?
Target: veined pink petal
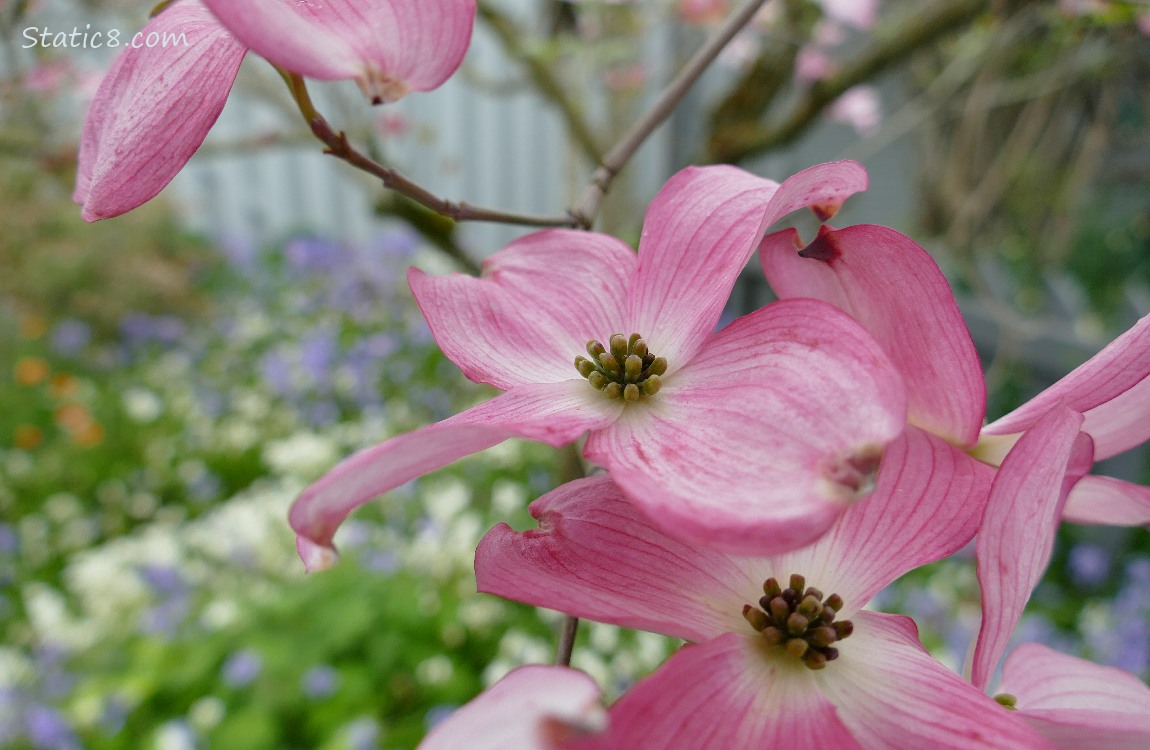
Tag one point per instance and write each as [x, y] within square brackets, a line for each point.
[761, 441]
[897, 292]
[390, 47]
[1107, 501]
[698, 234]
[1075, 703]
[596, 556]
[533, 708]
[890, 693]
[538, 303]
[554, 413]
[1111, 389]
[153, 110]
[1017, 533]
[927, 504]
[726, 694]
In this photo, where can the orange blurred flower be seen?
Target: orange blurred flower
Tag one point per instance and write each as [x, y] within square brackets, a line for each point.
[31, 370]
[28, 436]
[89, 435]
[32, 326]
[63, 385]
[73, 417]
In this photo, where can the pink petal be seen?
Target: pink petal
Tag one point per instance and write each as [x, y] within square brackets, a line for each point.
[538, 303]
[1076, 703]
[890, 693]
[596, 556]
[897, 292]
[726, 694]
[1018, 529]
[927, 504]
[698, 234]
[553, 413]
[390, 47]
[758, 444]
[533, 708]
[1107, 501]
[153, 110]
[1111, 389]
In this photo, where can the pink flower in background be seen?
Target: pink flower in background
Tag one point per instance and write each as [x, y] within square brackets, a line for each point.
[702, 12]
[532, 708]
[859, 107]
[157, 103]
[1070, 701]
[862, 14]
[753, 438]
[784, 655]
[897, 292]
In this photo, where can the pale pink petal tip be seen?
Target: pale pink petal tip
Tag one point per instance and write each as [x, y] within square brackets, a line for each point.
[534, 707]
[315, 557]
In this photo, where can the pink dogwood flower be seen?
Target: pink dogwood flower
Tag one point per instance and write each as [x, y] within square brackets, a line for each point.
[897, 292]
[158, 101]
[1070, 701]
[783, 653]
[532, 708]
[755, 437]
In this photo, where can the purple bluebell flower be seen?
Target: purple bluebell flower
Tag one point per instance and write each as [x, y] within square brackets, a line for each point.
[47, 729]
[9, 540]
[308, 253]
[241, 668]
[437, 714]
[320, 681]
[363, 734]
[70, 336]
[1089, 564]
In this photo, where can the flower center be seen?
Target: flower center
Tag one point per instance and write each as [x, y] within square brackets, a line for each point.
[1007, 701]
[799, 621]
[625, 369]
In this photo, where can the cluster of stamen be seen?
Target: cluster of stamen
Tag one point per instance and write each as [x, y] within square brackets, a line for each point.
[625, 369]
[798, 620]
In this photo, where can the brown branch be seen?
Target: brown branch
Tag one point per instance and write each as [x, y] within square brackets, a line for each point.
[511, 37]
[338, 146]
[588, 207]
[736, 143]
[567, 641]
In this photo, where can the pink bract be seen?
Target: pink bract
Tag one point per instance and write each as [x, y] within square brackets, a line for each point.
[595, 555]
[389, 47]
[532, 708]
[897, 292]
[156, 105]
[1070, 701]
[761, 434]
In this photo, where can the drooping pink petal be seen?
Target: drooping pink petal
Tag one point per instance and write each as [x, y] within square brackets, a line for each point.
[390, 47]
[927, 503]
[153, 110]
[698, 234]
[1107, 501]
[726, 694]
[1017, 533]
[553, 413]
[897, 292]
[596, 556]
[538, 303]
[1075, 703]
[764, 438]
[1112, 389]
[534, 707]
[890, 693]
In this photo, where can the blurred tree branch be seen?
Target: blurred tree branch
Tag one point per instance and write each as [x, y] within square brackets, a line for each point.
[735, 139]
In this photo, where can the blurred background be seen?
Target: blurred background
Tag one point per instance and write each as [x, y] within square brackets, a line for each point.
[170, 379]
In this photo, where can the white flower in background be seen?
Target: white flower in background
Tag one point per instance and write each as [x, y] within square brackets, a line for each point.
[305, 455]
[142, 405]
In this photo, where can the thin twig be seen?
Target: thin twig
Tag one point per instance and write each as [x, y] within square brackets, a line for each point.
[567, 641]
[338, 146]
[588, 207]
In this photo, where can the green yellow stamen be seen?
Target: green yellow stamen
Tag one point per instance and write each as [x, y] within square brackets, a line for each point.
[624, 369]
